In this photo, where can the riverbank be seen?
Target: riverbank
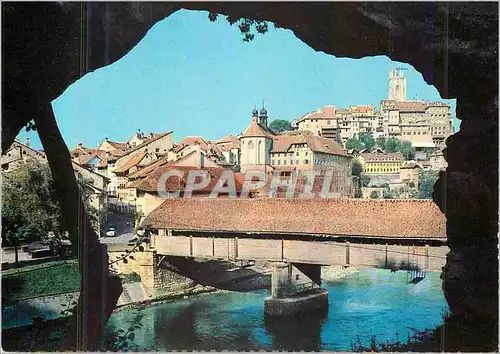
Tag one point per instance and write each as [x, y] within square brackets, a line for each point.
[257, 281]
[384, 302]
[332, 273]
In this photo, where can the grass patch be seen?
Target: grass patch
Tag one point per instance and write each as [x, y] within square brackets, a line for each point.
[40, 280]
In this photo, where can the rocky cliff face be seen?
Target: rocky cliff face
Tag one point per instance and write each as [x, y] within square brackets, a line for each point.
[453, 45]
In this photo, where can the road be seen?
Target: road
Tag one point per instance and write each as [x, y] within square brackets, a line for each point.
[124, 227]
[123, 223]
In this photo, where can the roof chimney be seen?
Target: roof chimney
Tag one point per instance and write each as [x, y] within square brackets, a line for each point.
[27, 142]
[106, 138]
[80, 144]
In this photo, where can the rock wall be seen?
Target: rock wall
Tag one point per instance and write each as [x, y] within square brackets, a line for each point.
[453, 45]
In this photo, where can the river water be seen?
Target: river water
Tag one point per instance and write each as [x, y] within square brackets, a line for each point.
[365, 304]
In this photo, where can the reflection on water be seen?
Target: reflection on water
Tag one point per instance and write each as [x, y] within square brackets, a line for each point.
[296, 333]
[369, 303]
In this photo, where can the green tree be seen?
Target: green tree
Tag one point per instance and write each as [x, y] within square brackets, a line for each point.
[280, 125]
[388, 194]
[428, 151]
[381, 142]
[356, 168]
[357, 172]
[407, 150]
[427, 179]
[353, 143]
[374, 195]
[365, 180]
[28, 209]
[367, 140]
[392, 145]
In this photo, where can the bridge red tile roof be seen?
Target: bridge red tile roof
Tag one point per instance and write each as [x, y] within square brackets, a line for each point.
[351, 217]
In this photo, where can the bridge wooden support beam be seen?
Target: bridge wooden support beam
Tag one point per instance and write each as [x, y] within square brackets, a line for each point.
[295, 289]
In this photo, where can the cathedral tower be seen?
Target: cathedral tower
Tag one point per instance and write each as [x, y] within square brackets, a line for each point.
[397, 85]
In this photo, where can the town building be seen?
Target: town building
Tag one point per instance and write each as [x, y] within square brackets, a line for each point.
[380, 162]
[426, 124]
[142, 188]
[18, 154]
[230, 148]
[303, 151]
[437, 161]
[322, 122]
[423, 123]
[397, 85]
[95, 184]
[96, 195]
[256, 143]
[300, 150]
[409, 173]
[87, 157]
[192, 143]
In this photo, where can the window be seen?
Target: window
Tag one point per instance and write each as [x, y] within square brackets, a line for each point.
[279, 162]
[157, 149]
[296, 162]
[272, 161]
[297, 153]
[284, 162]
[306, 161]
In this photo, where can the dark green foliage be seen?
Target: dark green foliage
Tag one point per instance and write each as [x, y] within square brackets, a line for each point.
[427, 179]
[365, 180]
[407, 150]
[392, 145]
[381, 142]
[374, 195]
[354, 143]
[247, 27]
[356, 168]
[30, 126]
[280, 125]
[388, 194]
[367, 140]
[29, 208]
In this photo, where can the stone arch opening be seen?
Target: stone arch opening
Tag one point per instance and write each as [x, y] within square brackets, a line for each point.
[462, 64]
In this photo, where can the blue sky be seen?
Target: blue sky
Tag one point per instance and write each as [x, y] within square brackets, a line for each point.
[197, 77]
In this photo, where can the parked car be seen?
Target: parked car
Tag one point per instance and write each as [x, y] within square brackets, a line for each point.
[111, 232]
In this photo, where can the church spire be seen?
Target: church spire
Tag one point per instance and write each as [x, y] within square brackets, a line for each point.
[263, 115]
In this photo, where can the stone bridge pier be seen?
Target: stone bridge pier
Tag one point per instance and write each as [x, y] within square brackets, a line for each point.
[295, 289]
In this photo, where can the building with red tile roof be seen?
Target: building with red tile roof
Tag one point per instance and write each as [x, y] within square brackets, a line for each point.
[325, 217]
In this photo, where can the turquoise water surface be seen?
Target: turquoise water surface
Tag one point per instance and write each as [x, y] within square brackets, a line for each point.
[369, 303]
